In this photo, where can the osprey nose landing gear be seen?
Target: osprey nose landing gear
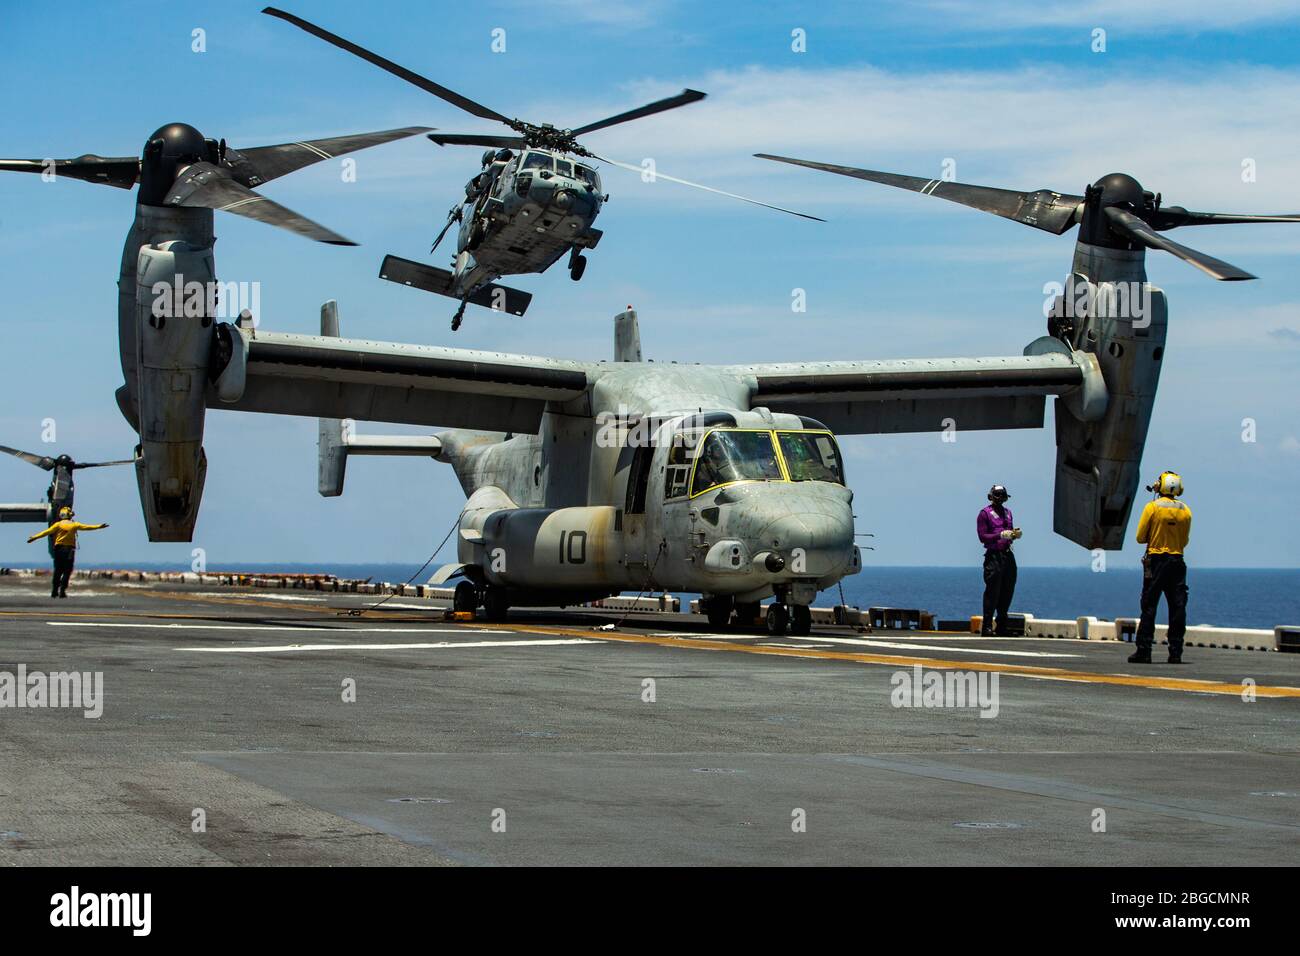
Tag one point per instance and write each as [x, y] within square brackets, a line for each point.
[793, 619]
[785, 617]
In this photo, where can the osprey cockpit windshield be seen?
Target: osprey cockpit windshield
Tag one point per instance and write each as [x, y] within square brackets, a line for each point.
[729, 455]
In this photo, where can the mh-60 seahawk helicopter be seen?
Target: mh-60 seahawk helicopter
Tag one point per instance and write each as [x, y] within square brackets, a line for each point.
[534, 199]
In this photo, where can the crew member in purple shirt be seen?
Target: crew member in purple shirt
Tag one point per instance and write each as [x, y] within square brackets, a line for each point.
[997, 530]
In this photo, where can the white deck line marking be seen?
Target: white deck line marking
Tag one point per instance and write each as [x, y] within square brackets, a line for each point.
[283, 648]
[283, 627]
[899, 645]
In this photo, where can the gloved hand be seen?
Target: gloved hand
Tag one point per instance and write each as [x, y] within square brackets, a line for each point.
[1016, 532]
[31, 539]
[1008, 535]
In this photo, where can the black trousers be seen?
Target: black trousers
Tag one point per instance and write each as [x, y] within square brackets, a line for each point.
[64, 557]
[1163, 574]
[999, 586]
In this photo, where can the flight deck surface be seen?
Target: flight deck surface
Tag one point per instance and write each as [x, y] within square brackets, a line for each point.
[545, 740]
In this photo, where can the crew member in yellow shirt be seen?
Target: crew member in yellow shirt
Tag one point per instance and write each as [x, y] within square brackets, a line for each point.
[65, 548]
[1164, 527]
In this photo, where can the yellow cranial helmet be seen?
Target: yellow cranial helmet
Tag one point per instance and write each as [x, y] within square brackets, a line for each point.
[65, 512]
[1170, 484]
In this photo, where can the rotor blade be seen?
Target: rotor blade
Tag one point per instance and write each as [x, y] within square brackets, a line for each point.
[1137, 230]
[102, 464]
[1170, 217]
[119, 171]
[204, 185]
[451, 96]
[1044, 209]
[658, 106]
[261, 164]
[478, 139]
[720, 192]
[40, 461]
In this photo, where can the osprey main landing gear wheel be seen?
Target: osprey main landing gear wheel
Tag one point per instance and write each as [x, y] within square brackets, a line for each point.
[800, 620]
[465, 598]
[747, 614]
[778, 618]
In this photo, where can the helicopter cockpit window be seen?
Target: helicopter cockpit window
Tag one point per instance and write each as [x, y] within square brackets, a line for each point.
[811, 456]
[536, 161]
[588, 175]
[728, 456]
[564, 167]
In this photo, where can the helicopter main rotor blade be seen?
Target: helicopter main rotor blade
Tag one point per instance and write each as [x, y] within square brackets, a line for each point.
[1170, 217]
[1130, 225]
[40, 461]
[1044, 209]
[102, 464]
[119, 171]
[261, 164]
[658, 106]
[204, 185]
[710, 189]
[424, 83]
[478, 139]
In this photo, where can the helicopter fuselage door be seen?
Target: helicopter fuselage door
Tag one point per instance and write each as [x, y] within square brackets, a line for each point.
[636, 533]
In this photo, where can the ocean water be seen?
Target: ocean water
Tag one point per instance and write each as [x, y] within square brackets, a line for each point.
[1226, 597]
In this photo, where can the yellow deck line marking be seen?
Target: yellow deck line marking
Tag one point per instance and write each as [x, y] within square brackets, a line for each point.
[1187, 685]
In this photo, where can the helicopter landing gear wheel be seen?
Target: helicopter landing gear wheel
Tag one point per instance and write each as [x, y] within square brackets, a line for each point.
[577, 265]
[719, 611]
[495, 604]
[465, 598]
[778, 618]
[460, 314]
[800, 620]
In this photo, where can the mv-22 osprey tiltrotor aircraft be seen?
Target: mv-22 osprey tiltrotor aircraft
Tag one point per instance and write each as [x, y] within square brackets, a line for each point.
[183, 177]
[534, 199]
[58, 495]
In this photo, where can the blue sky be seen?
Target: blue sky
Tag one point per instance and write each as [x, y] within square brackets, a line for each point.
[1011, 91]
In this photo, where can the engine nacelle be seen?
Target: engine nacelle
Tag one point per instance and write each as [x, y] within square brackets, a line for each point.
[1097, 462]
[174, 341]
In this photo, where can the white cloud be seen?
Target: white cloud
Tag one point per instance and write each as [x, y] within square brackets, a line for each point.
[1179, 15]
